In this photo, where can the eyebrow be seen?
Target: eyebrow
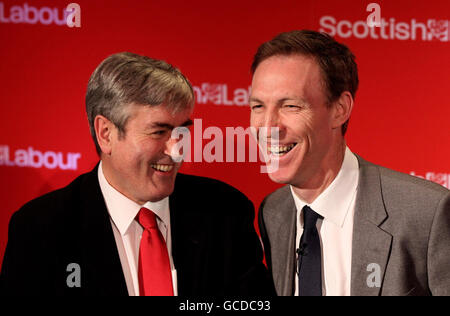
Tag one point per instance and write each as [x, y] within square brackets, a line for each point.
[253, 99]
[187, 123]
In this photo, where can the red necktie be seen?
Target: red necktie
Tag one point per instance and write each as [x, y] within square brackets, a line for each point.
[155, 276]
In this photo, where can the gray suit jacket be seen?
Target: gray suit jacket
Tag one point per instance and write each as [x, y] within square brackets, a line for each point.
[402, 224]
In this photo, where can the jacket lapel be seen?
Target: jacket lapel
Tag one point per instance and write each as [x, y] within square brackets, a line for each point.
[371, 244]
[281, 233]
[101, 268]
[188, 238]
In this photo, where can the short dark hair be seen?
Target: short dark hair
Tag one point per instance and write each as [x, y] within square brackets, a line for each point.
[336, 61]
[126, 78]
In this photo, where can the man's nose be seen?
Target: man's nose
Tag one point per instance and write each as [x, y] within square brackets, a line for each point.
[169, 146]
[173, 147]
[272, 125]
[271, 119]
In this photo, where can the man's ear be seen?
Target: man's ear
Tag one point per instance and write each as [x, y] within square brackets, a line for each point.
[104, 130]
[342, 109]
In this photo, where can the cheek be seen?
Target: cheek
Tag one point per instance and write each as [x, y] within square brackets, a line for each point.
[133, 154]
[254, 120]
[300, 126]
[153, 149]
[131, 151]
[313, 125]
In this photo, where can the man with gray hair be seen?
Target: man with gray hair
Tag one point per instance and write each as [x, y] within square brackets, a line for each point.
[132, 226]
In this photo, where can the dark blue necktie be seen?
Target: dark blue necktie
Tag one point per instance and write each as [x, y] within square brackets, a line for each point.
[310, 256]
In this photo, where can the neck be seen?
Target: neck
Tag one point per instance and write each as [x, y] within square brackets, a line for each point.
[321, 178]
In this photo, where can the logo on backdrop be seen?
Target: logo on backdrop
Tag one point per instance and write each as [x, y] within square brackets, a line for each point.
[28, 14]
[387, 29]
[33, 158]
[219, 94]
[438, 177]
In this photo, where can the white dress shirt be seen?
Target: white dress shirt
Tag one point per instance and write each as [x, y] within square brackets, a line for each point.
[337, 207]
[128, 232]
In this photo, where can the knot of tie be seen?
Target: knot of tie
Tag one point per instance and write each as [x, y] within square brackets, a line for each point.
[310, 218]
[147, 218]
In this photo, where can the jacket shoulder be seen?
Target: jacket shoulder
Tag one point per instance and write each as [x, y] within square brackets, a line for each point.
[277, 197]
[48, 207]
[409, 200]
[190, 184]
[206, 193]
[410, 188]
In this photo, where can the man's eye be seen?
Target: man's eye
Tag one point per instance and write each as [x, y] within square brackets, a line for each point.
[257, 106]
[159, 132]
[292, 107]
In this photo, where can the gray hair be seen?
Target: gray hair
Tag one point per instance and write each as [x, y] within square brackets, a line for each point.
[126, 78]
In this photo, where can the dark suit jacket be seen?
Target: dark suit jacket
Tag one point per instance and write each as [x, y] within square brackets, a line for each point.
[401, 224]
[216, 250]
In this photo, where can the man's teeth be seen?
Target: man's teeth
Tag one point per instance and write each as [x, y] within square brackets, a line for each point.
[280, 150]
[163, 168]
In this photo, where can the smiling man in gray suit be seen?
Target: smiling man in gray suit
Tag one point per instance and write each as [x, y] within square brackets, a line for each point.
[342, 225]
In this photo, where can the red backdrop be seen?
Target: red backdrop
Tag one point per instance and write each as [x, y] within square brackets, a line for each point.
[400, 120]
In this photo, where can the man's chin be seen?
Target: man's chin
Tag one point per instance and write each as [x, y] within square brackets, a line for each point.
[159, 196]
[280, 177]
[160, 192]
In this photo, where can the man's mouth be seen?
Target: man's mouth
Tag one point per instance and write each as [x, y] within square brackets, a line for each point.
[162, 168]
[281, 150]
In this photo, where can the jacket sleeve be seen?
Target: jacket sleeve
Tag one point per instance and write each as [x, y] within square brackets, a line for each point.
[439, 250]
[264, 238]
[15, 258]
[26, 261]
[256, 280]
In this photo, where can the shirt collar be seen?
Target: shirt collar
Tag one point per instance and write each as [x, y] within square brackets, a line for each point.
[123, 211]
[335, 201]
